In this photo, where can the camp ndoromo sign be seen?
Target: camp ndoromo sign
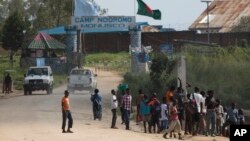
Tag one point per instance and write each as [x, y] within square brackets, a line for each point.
[104, 22]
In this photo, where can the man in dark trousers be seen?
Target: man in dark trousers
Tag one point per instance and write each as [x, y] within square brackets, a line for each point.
[114, 105]
[66, 113]
[97, 104]
[127, 102]
[8, 83]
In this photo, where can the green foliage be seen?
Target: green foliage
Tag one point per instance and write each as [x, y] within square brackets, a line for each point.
[12, 33]
[224, 70]
[119, 62]
[243, 43]
[161, 77]
[96, 57]
[41, 13]
[160, 73]
[138, 81]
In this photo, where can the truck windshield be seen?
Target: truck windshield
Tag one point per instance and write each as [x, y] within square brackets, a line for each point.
[37, 71]
[80, 72]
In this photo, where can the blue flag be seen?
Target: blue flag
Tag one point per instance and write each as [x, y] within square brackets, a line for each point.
[85, 8]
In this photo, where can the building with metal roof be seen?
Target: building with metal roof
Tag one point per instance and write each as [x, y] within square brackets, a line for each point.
[44, 41]
[223, 16]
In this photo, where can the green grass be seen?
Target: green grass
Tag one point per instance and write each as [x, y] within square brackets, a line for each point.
[119, 62]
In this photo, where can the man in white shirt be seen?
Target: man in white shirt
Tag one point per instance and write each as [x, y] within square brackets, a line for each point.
[196, 116]
[164, 115]
[114, 105]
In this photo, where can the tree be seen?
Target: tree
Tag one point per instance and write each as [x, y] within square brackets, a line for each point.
[42, 13]
[161, 69]
[13, 33]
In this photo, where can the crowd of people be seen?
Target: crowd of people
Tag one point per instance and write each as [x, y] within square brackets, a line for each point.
[196, 113]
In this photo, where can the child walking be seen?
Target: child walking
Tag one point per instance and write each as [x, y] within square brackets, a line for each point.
[175, 123]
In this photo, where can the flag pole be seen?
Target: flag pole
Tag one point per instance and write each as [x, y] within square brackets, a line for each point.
[73, 7]
[134, 10]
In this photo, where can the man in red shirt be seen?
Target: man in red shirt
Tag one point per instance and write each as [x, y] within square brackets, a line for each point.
[175, 123]
[66, 113]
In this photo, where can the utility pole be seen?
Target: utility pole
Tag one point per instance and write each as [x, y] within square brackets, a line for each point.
[208, 28]
[79, 54]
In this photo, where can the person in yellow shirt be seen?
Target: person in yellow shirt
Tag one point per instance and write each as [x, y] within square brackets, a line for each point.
[66, 113]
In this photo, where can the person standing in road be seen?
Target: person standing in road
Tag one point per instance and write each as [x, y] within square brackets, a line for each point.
[219, 117]
[164, 115]
[114, 105]
[145, 112]
[127, 102]
[231, 117]
[197, 100]
[8, 82]
[138, 102]
[211, 113]
[175, 124]
[155, 109]
[66, 113]
[121, 106]
[97, 104]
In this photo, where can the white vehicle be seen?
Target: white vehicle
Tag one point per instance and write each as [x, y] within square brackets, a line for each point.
[81, 79]
[38, 78]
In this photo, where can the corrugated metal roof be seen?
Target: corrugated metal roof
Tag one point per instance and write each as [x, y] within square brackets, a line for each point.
[44, 41]
[224, 14]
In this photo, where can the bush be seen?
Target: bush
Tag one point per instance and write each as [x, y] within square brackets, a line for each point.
[227, 73]
[136, 82]
[243, 43]
[160, 78]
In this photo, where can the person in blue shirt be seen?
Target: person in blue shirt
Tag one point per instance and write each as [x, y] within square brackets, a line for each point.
[97, 105]
[145, 112]
[231, 118]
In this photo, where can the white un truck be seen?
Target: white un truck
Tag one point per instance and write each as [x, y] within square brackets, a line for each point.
[38, 78]
[82, 79]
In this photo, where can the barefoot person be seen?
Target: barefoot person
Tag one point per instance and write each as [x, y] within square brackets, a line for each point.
[66, 114]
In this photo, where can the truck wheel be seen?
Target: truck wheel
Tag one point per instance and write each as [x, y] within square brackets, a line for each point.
[51, 90]
[71, 91]
[48, 90]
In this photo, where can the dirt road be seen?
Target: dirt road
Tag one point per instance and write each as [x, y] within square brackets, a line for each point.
[38, 118]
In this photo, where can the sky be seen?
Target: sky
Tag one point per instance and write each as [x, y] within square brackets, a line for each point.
[178, 14]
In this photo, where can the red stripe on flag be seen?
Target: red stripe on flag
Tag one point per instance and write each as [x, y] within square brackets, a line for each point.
[149, 10]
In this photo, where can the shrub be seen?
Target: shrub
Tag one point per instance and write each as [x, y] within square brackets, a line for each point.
[227, 73]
